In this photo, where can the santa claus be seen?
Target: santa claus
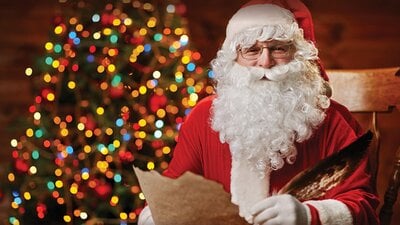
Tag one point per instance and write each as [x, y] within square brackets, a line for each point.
[271, 118]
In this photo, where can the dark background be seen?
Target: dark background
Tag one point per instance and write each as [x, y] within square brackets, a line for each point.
[351, 34]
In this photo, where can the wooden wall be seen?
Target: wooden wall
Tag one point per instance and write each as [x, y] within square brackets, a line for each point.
[350, 34]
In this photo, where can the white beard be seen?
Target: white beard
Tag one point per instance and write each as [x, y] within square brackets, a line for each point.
[262, 118]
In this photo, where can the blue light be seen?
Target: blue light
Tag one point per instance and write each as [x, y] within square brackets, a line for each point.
[191, 90]
[57, 48]
[35, 154]
[84, 170]
[158, 37]
[117, 178]
[154, 82]
[76, 41]
[113, 38]
[38, 133]
[12, 220]
[126, 137]
[72, 35]
[179, 79]
[111, 147]
[210, 74]
[147, 47]
[119, 122]
[116, 80]
[48, 60]
[18, 200]
[187, 111]
[60, 156]
[50, 185]
[191, 67]
[172, 49]
[70, 150]
[183, 42]
[100, 147]
[90, 58]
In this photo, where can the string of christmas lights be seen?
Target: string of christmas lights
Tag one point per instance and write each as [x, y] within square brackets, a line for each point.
[111, 91]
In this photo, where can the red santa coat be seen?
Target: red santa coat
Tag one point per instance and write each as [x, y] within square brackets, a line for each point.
[200, 151]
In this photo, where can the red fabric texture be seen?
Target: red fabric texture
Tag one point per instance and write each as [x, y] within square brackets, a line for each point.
[303, 17]
[199, 150]
[314, 215]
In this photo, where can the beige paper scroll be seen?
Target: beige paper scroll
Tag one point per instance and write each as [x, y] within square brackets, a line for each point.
[187, 200]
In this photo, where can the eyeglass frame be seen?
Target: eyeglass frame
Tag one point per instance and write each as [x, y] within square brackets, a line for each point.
[270, 51]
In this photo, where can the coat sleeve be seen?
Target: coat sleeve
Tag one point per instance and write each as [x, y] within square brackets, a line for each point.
[355, 197]
[187, 154]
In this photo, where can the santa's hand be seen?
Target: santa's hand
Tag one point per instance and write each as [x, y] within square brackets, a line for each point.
[145, 217]
[280, 209]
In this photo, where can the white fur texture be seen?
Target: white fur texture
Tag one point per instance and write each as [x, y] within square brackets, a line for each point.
[261, 15]
[145, 217]
[262, 119]
[247, 188]
[332, 212]
[260, 112]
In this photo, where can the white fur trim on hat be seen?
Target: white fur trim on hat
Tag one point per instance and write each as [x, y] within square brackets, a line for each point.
[256, 16]
[332, 212]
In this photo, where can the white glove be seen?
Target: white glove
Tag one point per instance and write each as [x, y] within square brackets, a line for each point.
[145, 217]
[280, 209]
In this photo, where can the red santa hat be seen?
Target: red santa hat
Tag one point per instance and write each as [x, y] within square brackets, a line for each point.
[273, 12]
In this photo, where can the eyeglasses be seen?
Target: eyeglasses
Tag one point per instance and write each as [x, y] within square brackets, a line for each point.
[278, 51]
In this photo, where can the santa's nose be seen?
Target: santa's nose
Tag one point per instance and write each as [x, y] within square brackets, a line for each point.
[265, 60]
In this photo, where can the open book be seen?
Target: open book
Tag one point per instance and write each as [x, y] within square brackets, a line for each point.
[192, 199]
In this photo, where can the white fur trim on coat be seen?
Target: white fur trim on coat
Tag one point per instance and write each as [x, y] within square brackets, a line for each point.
[145, 217]
[332, 212]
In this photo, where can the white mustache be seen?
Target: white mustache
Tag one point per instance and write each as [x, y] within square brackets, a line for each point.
[276, 73]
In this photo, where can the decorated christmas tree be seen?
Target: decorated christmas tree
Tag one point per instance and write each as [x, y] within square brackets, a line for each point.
[110, 91]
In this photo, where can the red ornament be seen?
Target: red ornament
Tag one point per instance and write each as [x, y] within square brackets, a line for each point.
[57, 20]
[180, 9]
[103, 189]
[136, 40]
[125, 113]
[90, 123]
[1, 195]
[41, 210]
[157, 144]
[116, 92]
[21, 166]
[142, 68]
[107, 19]
[126, 156]
[45, 92]
[157, 102]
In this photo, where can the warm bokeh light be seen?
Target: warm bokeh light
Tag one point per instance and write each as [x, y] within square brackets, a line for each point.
[113, 86]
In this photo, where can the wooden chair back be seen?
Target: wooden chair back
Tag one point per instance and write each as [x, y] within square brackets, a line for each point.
[368, 93]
